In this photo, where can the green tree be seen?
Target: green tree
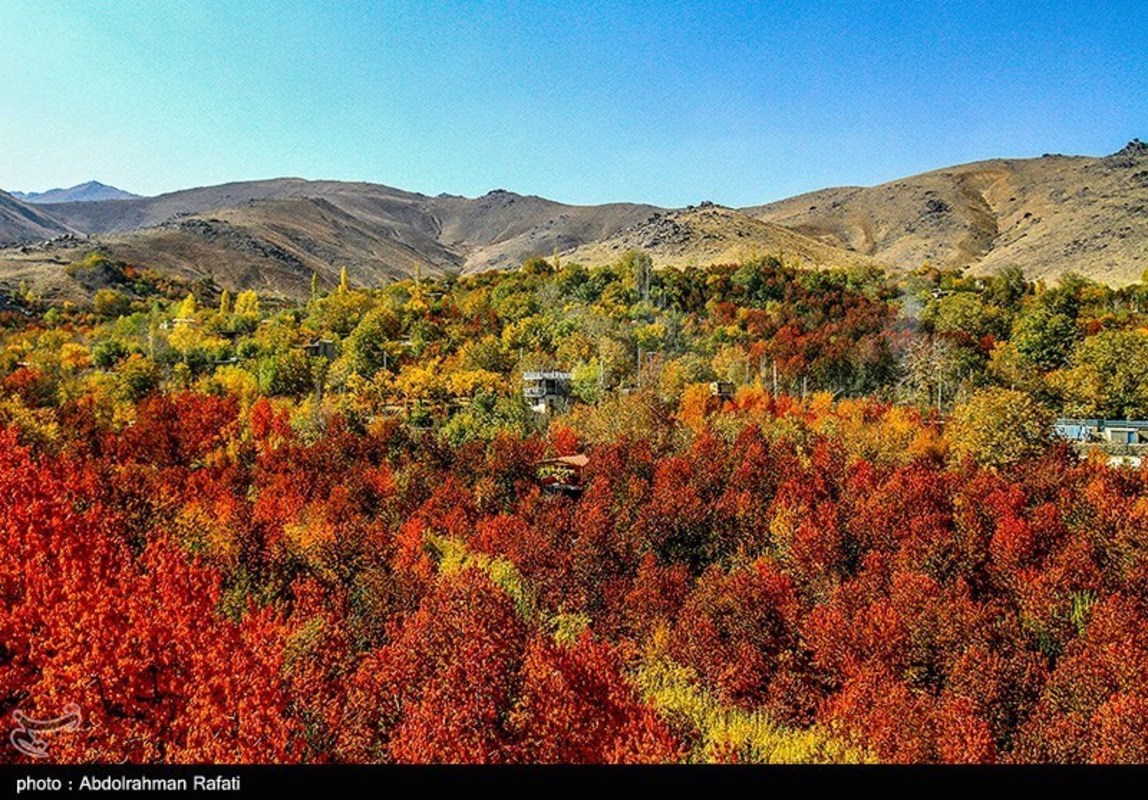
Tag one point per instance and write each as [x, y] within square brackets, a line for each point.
[486, 353]
[106, 353]
[758, 280]
[367, 346]
[1109, 376]
[537, 266]
[1046, 338]
[587, 381]
[111, 303]
[287, 373]
[964, 312]
[1007, 288]
[640, 267]
[485, 417]
[138, 377]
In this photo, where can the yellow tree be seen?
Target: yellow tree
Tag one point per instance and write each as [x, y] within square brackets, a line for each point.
[466, 383]
[187, 308]
[419, 383]
[697, 402]
[998, 427]
[247, 304]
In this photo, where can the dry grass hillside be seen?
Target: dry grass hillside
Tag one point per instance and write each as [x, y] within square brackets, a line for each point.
[712, 234]
[1047, 215]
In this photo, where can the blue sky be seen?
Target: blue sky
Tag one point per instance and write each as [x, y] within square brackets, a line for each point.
[585, 102]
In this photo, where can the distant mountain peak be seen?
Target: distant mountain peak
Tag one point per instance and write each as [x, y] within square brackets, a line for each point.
[85, 192]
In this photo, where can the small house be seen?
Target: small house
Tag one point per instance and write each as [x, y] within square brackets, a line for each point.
[723, 390]
[1126, 431]
[1078, 430]
[546, 391]
[1108, 431]
[320, 348]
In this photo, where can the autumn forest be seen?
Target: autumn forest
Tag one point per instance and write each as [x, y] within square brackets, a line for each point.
[800, 516]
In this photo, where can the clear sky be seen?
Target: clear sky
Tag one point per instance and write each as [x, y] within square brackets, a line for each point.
[582, 101]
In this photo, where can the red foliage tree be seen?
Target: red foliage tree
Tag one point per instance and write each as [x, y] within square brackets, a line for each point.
[736, 629]
[439, 692]
[137, 642]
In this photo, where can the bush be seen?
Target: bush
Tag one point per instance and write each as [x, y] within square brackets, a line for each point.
[111, 304]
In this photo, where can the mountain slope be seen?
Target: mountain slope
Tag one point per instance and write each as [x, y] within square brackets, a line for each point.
[85, 192]
[501, 228]
[1046, 215]
[711, 234]
[20, 222]
[276, 245]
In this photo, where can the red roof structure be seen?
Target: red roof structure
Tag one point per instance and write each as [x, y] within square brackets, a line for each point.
[562, 473]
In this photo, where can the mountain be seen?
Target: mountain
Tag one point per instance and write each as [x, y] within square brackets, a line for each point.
[20, 222]
[1047, 215]
[273, 235]
[85, 192]
[498, 229]
[712, 234]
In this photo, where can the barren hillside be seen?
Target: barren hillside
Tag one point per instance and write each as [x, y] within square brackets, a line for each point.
[1046, 215]
[20, 222]
[711, 234]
